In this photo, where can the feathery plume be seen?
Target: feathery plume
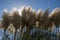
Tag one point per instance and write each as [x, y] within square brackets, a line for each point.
[45, 19]
[5, 20]
[39, 17]
[16, 21]
[55, 16]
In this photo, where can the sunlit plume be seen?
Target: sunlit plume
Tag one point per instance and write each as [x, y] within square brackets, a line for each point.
[39, 12]
[13, 10]
[16, 9]
[54, 12]
[20, 10]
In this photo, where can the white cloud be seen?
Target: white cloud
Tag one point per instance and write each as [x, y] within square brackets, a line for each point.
[5, 10]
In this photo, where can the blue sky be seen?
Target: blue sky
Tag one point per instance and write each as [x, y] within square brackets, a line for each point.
[36, 4]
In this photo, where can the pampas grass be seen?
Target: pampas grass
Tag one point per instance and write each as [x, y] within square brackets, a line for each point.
[16, 22]
[55, 16]
[30, 19]
[39, 17]
[5, 21]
